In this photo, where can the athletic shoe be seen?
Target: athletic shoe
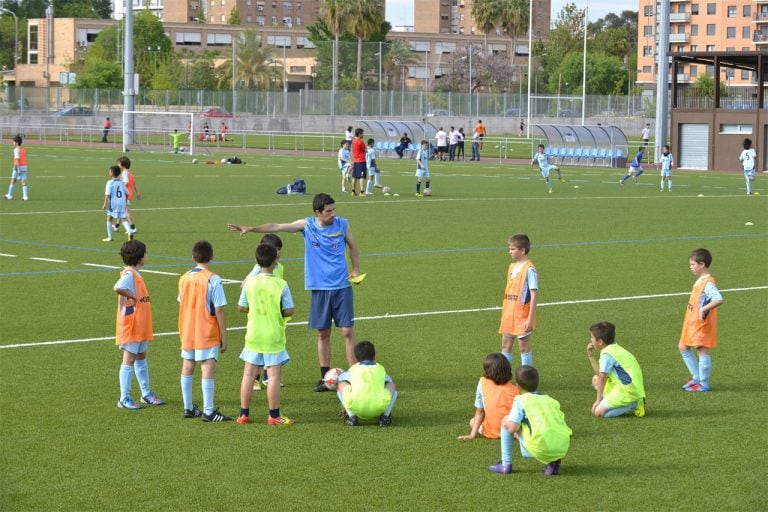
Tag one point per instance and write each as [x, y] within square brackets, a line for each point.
[354, 193]
[128, 403]
[243, 419]
[321, 386]
[280, 421]
[215, 417]
[550, 191]
[691, 382]
[194, 412]
[378, 186]
[640, 410]
[106, 239]
[115, 227]
[130, 235]
[351, 421]
[553, 468]
[621, 182]
[369, 193]
[696, 388]
[343, 191]
[385, 420]
[256, 385]
[8, 197]
[264, 383]
[501, 468]
[419, 195]
[25, 198]
[151, 399]
[562, 180]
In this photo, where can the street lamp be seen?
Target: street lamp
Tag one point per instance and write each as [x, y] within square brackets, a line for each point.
[154, 51]
[16, 43]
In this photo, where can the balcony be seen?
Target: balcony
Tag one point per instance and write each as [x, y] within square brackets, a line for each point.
[679, 17]
[761, 17]
[682, 77]
[679, 37]
[760, 38]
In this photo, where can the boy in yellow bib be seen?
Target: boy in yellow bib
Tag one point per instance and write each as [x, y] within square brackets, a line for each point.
[618, 378]
[537, 423]
[365, 390]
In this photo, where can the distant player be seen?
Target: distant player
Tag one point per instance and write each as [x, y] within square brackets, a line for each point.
[374, 172]
[176, 140]
[19, 171]
[345, 164]
[635, 168]
[133, 189]
[748, 159]
[422, 167]
[667, 164]
[115, 200]
[543, 161]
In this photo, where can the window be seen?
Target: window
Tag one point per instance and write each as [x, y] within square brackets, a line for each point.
[259, 6]
[260, 21]
[648, 30]
[681, 8]
[710, 29]
[745, 32]
[694, 8]
[298, 6]
[711, 70]
[298, 20]
[189, 38]
[279, 41]
[681, 48]
[694, 47]
[731, 11]
[214, 39]
[694, 71]
[647, 51]
[694, 30]
[648, 10]
[744, 74]
[288, 5]
[711, 8]
[646, 69]
[747, 11]
[710, 47]
[32, 36]
[303, 42]
[223, 19]
[297, 69]
[248, 19]
[274, 21]
[444, 17]
[730, 32]
[736, 128]
[223, 2]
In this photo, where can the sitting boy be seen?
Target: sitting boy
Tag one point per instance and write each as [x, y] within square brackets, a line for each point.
[538, 424]
[618, 378]
[365, 390]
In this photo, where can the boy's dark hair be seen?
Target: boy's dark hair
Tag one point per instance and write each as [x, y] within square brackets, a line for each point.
[365, 351]
[424, 142]
[271, 238]
[114, 171]
[527, 378]
[701, 256]
[17, 139]
[132, 251]
[497, 368]
[124, 162]
[640, 149]
[604, 331]
[266, 254]
[343, 143]
[320, 201]
[541, 146]
[349, 128]
[202, 251]
[747, 143]
[359, 132]
[521, 241]
[370, 142]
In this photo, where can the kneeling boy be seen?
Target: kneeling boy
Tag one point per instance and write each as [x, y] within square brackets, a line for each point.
[365, 390]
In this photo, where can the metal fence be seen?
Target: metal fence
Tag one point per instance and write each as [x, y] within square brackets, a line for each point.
[362, 103]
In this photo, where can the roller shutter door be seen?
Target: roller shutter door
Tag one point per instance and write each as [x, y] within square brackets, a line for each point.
[694, 146]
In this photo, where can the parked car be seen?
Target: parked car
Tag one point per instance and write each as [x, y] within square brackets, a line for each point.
[215, 112]
[439, 112]
[568, 113]
[74, 110]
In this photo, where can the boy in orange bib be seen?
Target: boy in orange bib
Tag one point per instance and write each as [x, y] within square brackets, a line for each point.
[518, 312]
[700, 323]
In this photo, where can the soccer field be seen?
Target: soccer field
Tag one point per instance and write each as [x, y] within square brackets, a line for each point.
[431, 304]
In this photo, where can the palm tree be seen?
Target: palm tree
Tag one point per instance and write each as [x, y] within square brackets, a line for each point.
[335, 13]
[254, 64]
[398, 57]
[515, 15]
[487, 14]
[363, 19]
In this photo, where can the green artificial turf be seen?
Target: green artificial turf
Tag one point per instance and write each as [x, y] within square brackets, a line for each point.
[436, 273]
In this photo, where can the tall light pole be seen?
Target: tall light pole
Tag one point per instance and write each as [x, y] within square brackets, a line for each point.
[530, 51]
[16, 43]
[471, 51]
[380, 55]
[584, 69]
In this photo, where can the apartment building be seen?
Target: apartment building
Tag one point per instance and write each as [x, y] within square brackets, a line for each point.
[702, 26]
[264, 13]
[455, 17]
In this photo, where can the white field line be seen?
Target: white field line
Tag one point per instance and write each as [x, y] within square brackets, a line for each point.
[100, 266]
[48, 259]
[8, 255]
[406, 315]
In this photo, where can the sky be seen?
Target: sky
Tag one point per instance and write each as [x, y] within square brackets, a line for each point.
[400, 12]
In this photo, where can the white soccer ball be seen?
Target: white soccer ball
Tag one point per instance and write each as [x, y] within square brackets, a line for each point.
[427, 192]
[194, 160]
[331, 378]
[223, 160]
[386, 190]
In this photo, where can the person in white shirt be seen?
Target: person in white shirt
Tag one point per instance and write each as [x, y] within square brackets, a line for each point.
[441, 141]
[454, 141]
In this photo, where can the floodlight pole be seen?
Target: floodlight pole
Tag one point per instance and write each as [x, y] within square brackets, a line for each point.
[662, 78]
[584, 69]
[530, 53]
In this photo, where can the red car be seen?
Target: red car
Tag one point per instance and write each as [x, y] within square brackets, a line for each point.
[215, 112]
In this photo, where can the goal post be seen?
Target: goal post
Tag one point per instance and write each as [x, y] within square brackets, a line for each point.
[152, 131]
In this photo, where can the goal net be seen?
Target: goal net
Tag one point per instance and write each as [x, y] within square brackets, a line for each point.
[156, 131]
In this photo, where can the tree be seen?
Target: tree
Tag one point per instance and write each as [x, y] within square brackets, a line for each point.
[334, 13]
[100, 74]
[76, 10]
[396, 60]
[363, 20]
[253, 64]
[487, 13]
[234, 17]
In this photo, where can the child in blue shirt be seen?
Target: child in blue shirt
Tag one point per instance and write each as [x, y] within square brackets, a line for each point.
[635, 168]
[344, 164]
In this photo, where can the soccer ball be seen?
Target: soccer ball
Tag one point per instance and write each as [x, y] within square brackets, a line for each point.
[386, 190]
[194, 160]
[331, 378]
[427, 191]
[223, 160]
